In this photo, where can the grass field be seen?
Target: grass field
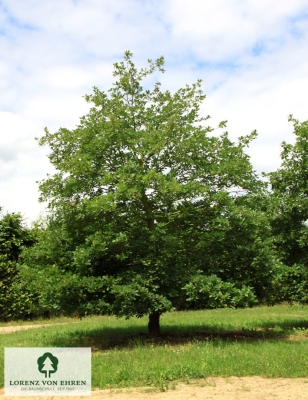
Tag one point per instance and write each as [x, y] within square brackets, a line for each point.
[264, 341]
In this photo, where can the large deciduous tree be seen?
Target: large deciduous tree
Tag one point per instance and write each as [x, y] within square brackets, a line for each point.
[151, 202]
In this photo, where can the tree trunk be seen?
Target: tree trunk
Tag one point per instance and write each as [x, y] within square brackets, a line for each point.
[153, 326]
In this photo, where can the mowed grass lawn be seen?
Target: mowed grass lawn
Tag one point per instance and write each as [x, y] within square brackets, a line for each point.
[263, 341]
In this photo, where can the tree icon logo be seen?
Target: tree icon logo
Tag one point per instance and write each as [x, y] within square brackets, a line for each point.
[47, 364]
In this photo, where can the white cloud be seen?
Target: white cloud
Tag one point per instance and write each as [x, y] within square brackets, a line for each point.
[222, 30]
[22, 163]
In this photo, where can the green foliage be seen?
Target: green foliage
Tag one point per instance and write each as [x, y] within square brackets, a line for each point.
[288, 213]
[57, 292]
[8, 272]
[14, 237]
[234, 243]
[291, 284]
[212, 292]
[145, 197]
[138, 298]
[289, 208]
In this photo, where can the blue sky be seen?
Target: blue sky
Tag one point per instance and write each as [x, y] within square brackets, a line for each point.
[251, 55]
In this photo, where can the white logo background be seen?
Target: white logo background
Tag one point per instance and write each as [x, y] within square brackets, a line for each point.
[23, 378]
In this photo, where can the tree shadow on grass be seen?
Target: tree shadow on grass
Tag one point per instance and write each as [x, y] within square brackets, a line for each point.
[131, 337]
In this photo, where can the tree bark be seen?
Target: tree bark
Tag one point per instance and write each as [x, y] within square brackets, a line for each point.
[148, 210]
[153, 326]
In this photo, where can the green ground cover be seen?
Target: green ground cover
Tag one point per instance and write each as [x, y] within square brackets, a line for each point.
[263, 341]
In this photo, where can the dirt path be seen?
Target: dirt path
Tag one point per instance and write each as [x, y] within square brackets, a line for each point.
[9, 329]
[247, 388]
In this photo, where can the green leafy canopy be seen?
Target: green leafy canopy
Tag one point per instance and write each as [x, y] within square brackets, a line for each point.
[141, 185]
[145, 147]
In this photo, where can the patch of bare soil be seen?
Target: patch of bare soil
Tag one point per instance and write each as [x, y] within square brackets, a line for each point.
[9, 329]
[234, 388]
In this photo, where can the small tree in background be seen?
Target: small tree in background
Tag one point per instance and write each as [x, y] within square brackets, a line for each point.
[288, 213]
[14, 237]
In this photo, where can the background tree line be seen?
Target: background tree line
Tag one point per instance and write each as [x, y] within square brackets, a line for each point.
[149, 211]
